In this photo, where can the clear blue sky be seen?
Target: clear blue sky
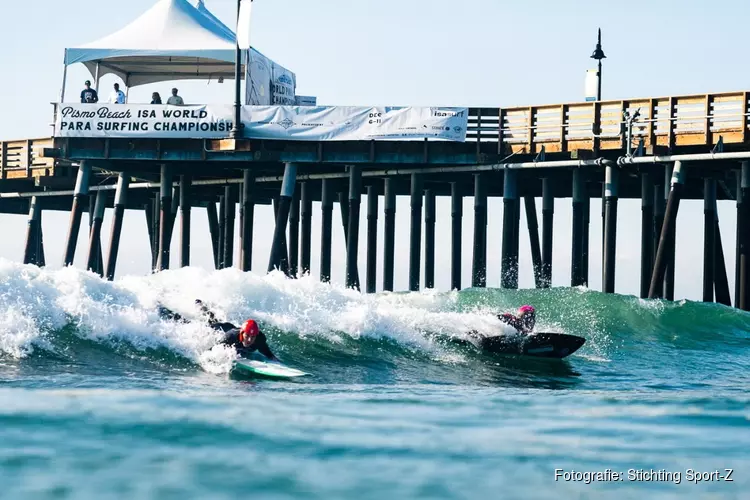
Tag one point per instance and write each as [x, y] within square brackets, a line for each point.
[415, 52]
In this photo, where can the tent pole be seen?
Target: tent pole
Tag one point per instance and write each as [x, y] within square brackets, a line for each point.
[65, 77]
[127, 87]
[96, 78]
[237, 125]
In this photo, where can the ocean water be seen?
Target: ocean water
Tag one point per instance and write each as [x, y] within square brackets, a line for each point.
[100, 398]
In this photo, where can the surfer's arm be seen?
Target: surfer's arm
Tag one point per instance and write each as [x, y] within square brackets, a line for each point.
[205, 310]
[263, 348]
[510, 320]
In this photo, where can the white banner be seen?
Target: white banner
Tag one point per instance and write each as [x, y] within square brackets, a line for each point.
[135, 120]
[354, 123]
[270, 83]
[296, 123]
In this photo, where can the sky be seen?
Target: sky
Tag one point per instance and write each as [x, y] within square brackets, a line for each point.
[409, 52]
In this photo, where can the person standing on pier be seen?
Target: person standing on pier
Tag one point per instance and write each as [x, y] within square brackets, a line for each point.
[175, 100]
[117, 96]
[89, 95]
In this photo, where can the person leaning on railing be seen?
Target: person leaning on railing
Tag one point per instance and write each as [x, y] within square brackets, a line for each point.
[89, 95]
[175, 100]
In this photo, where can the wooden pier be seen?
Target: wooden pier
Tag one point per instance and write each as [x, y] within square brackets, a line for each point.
[660, 150]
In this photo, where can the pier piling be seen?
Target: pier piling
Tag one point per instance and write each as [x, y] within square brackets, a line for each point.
[667, 232]
[457, 213]
[586, 235]
[229, 213]
[429, 238]
[213, 229]
[97, 266]
[721, 281]
[536, 251]
[479, 258]
[415, 233]
[344, 207]
[372, 238]
[173, 218]
[647, 229]
[389, 240]
[659, 207]
[576, 268]
[548, 214]
[671, 242]
[352, 243]
[148, 210]
[611, 193]
[509, 257]
[185, 204]
[294, 234]
[744, 231]
[246, 221]
[709, 238]
[123, 181]
[326, 208]
[92, 261]
[306, 236]
[156, 222]
[40, 235]
[165, 217]
[31, 249]
[284, 204]
[222, 230]
[738, 237]
[79, 194]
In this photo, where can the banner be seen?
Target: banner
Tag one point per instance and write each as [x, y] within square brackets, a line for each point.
[354, 123]
[295, 123]
[270, 83]
[134, 120]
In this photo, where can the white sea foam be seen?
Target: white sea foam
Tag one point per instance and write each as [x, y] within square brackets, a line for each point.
[35, 302]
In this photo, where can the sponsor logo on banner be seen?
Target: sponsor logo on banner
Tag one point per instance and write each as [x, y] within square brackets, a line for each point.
[102, 120]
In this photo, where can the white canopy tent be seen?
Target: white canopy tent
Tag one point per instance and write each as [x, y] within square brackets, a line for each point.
[171, 41]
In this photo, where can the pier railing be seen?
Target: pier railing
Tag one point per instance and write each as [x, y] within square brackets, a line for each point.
[690, 120]
[23, 159]
[663, 123]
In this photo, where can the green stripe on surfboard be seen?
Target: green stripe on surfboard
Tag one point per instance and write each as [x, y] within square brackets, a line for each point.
[275, 370]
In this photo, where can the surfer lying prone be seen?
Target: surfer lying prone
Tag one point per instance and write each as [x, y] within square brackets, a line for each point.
[523, 321]
[245, 339]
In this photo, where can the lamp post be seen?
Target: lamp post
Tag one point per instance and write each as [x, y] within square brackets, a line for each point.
[599, 55]
[236, 131]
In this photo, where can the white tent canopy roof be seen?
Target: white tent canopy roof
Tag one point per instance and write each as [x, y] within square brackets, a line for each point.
[171, 41]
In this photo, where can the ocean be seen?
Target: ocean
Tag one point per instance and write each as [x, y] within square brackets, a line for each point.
[101, 398]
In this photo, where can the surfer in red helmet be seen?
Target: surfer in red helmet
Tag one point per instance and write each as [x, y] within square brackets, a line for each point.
[244, 339]
[248, 338]
[524, 321]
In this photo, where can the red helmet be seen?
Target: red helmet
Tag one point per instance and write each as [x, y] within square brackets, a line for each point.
[249, 329]
[527, 309]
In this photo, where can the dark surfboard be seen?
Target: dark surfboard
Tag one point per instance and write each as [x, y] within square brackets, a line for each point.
[541, 345]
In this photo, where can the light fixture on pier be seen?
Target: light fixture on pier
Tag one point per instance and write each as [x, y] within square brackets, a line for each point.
[598, 54]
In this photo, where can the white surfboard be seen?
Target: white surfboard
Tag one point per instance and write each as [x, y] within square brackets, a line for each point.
[267, 369]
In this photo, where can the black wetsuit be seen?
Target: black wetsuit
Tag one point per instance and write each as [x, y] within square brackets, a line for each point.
[516, 322]
[231, 332]
[232, 338]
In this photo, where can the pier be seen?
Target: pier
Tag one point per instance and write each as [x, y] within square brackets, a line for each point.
[680, 147]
